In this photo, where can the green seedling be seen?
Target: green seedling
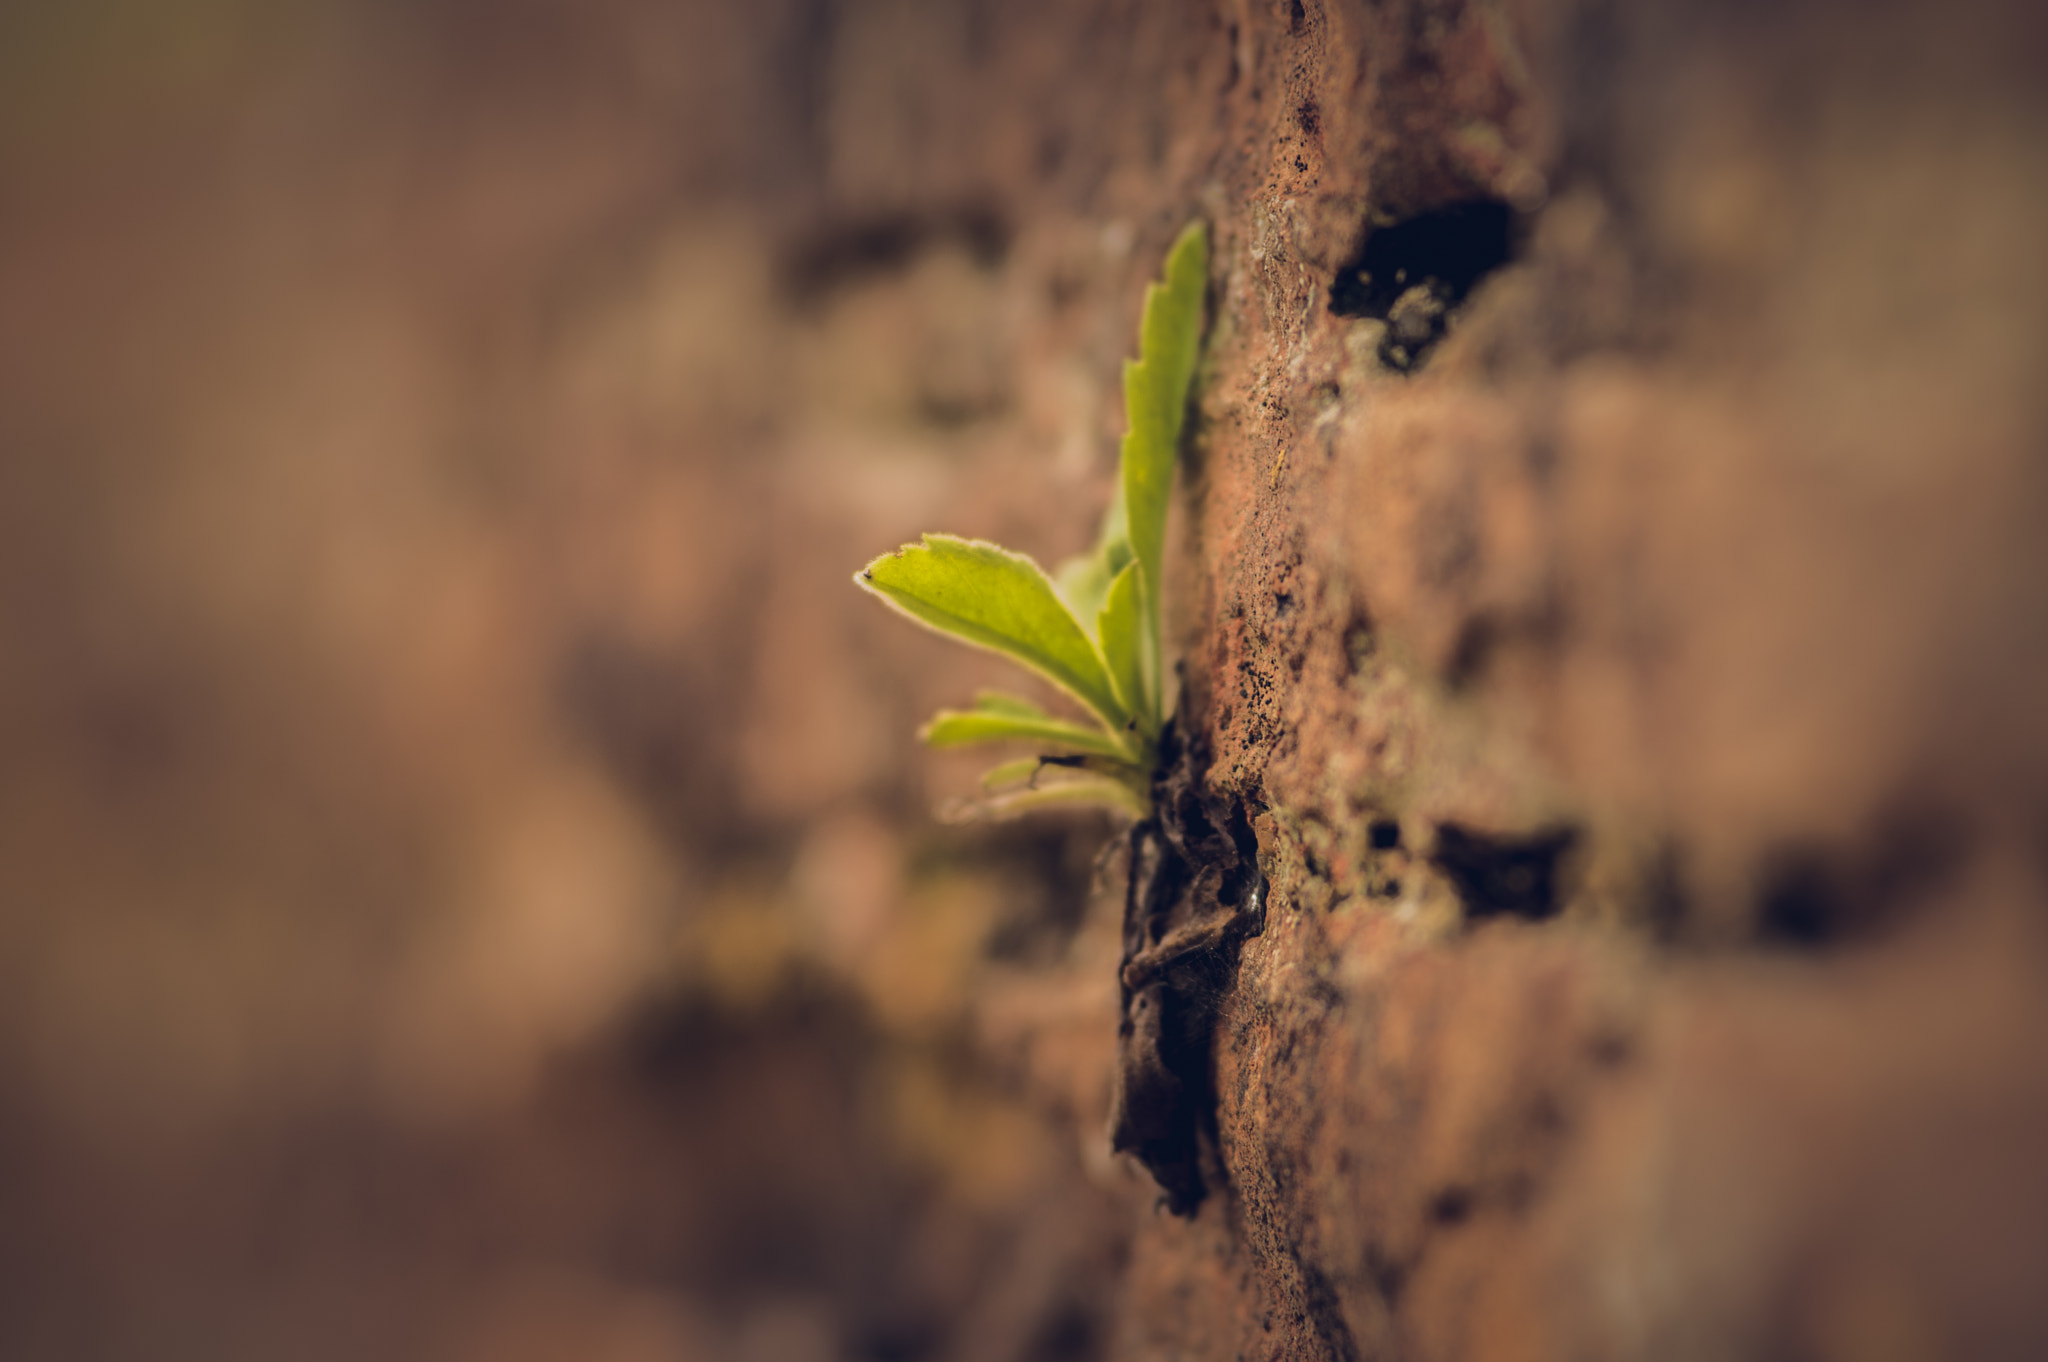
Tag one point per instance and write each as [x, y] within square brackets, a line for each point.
[1093, 629]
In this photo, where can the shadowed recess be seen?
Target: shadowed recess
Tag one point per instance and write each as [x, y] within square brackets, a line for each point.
[1412, 273]
[1813, 896]
[1502, 875]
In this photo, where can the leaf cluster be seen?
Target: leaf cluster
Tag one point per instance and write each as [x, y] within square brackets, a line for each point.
[1093, 631]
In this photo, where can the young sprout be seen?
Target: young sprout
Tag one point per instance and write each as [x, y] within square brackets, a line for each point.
[1094, 632]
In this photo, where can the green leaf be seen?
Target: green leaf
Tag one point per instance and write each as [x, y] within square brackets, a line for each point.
[1084, 578]
[1098, 790]
[1121, 628]
[960, 728]
[1081, 581]
[1003, 601]
[1002, 702]
[1041, 773]
[998, 600]
[1011, 772]
[1155, 400]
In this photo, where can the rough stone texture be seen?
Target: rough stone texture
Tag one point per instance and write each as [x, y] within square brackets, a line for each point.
[1695, 578]
[466, 885]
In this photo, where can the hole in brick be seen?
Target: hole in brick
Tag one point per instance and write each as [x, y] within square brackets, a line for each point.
[1497, 875]
[1451, 1206]
[1812, 897]
[1799, 905]
[1413, 273]
[1194, 895]
[1384, 834]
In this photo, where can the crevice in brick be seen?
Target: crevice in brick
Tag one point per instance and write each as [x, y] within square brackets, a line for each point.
[1413, 273]
[1499, 875]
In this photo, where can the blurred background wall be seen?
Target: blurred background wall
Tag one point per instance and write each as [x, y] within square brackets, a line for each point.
[467, 888]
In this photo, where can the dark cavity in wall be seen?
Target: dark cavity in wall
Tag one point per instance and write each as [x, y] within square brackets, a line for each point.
[1503, 876]
[1194, 895]
[1411, 274]
[1814, 896]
